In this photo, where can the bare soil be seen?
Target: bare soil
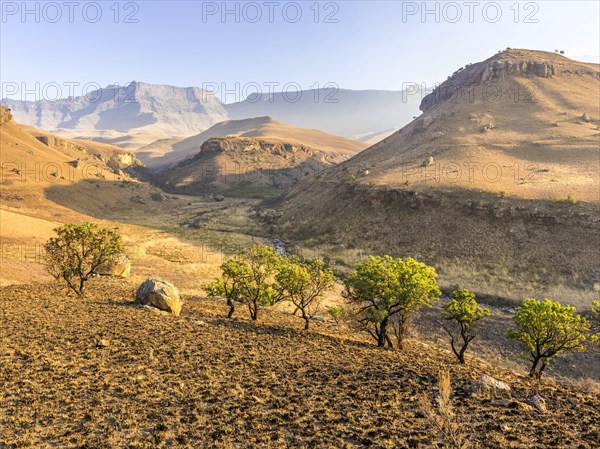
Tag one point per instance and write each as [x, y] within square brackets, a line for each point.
[202, 381]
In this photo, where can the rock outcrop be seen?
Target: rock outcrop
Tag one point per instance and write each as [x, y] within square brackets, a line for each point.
[489, 387]
[159, 294]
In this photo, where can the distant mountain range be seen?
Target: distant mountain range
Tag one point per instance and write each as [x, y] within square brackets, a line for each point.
[354, 114]
[139, 114]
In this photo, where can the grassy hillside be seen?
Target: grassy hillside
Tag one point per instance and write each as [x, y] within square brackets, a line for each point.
[500, 193]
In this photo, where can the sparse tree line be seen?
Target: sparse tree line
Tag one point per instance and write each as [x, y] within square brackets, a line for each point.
[382, 293]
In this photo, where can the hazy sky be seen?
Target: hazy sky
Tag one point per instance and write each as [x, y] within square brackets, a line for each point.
[354, 44]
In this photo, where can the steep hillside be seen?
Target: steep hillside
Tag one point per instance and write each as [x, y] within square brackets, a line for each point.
[129, 116]
[354, 114]
[247, 166]
[168, 152]
[501, 193]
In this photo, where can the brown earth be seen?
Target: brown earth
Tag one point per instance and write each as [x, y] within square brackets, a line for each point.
[102, 373]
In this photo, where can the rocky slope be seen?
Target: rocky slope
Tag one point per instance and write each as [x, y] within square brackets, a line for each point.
[101, 373]
[246, 166]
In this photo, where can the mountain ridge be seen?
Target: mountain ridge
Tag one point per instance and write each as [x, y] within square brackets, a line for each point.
[138, 114]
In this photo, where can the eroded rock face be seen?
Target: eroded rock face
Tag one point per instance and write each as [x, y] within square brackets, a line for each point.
[57, 142]
[159, 294]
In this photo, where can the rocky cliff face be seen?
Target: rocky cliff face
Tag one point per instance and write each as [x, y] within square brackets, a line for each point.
[507, 64]
[249, 145]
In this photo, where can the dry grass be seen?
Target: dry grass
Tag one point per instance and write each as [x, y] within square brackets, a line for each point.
[443, 418]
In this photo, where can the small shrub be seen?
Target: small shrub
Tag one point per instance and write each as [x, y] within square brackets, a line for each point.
[444, 419]
[248, 279]
[338, 313]
[464, 310]
[78, 251]
[595, 323]
[303, 284]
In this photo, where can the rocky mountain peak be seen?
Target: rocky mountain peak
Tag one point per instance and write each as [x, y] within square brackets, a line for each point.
[507, 64]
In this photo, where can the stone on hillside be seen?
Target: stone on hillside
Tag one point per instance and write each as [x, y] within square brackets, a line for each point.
[490, 387]
[103, 343]
[539, 403]
[159, 294]
[119, 266]
[219, 198]
[427, 162]
[158, 196]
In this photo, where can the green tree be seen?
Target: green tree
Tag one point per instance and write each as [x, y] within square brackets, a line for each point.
[464, 310]
[78, 251]
[595, 322]
[248, 279]
[383, 288]
[546, 329]
[229, 285]
[303, 283]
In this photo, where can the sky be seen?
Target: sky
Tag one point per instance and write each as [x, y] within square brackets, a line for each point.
[64, 47]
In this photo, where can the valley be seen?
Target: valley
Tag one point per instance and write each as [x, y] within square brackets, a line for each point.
[500, 197]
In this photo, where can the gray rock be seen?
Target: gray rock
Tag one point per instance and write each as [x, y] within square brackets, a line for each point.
[104, 343]
[539, 403]
[427, 162]
[158, 196]
[159, 294]
[490, 387]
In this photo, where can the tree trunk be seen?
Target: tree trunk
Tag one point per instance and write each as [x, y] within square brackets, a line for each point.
[461, 354]
[306, 319]
[541, 370]
[254, 311]
[382, 334]
[533, 372]
[81, 287]
[231, 308]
